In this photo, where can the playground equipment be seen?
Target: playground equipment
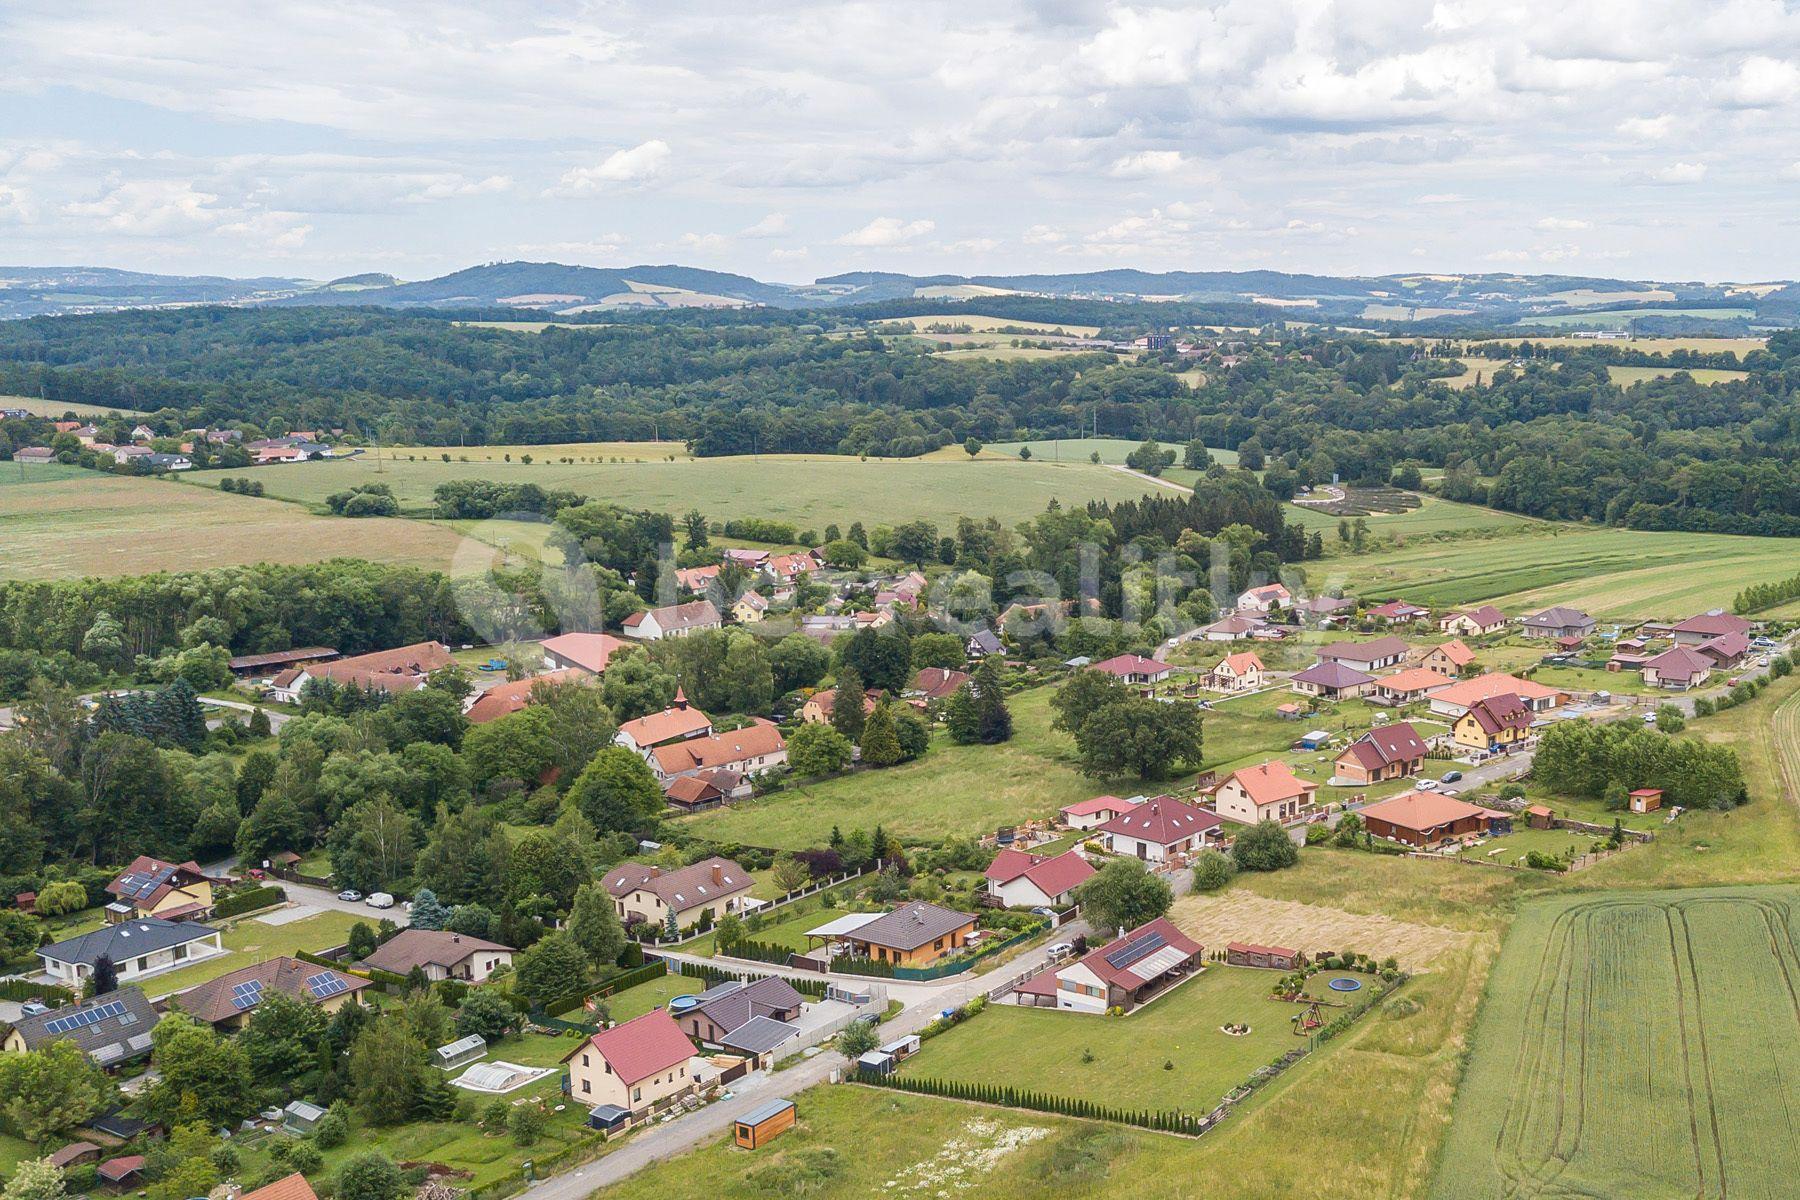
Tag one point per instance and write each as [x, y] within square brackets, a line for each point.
[1307, 1021]
[494, 664]
[1345, 985]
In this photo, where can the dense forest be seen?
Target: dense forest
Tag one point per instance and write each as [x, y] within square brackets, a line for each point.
[1552, 438]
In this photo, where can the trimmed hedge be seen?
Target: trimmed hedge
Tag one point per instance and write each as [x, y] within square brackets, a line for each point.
[715, 975]
[249, 900]
[618, 983]
[24, 989]
[1162, 1120]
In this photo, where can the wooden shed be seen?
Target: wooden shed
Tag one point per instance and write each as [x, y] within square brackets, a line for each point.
[1644, 800]
[765, 1122]
[1248, 954]
[1538, 817]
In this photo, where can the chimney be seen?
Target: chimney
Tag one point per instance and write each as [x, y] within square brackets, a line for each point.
[455, 937]
[718, 875]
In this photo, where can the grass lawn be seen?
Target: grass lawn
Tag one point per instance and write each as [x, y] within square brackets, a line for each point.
[636, 1001]
[951, 790]
[15, 1150]
[252, 941]
[538, 1049]
[1612, 573]
[1110, 450]
[1432, 516]
[837, 488]
[1594, 679]
[61, 408]
[786, 926]
[1512, 848]
[1045, 1048]
[57, 526]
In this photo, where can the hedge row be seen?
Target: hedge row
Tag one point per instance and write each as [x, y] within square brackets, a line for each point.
[24, 989]
[618, 983]
[715, 975]
[249, 900]
[1162, 1120]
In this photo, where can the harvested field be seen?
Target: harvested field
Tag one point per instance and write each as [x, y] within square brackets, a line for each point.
[976, 323]
[1636, 1044]
[59, 408]
[1242, 916]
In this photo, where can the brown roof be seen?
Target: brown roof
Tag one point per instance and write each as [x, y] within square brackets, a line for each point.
[1500, 712]
[73, 1152]
[1160, 933]
[400, 669]
[709, 879]
[1483, 617]
[1414, 679]
[1253, 948]
[1458, 652]
[937, 682]
[720, 749]
[1122, 665]
[117, 1169]
[1421, 812]
[250, 662]
[680, 721]
[1714, 622]
[417, 947]
[693, 614]
[504, 699]
[1271, 783]
[213, 1001]
[693, 789]
[1679, 662]
[1164, 820]
[288, 1187]
[1382, 747]
[1333, 675]
[1363, 652]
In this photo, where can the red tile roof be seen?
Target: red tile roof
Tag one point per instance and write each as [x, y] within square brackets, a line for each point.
[643, 1046]
[1498, 713]
[1132, 664]
[1095, 960]
[1164, 821]
[1458, 652]
[1253, 948]
[1468, 691]
[665, 726]
[504, 699]
[1714, 622]
[1099, 804]
[589, 651]
[1051, 876]
[1413, 680]
[288, 1187]
[1241, 662]
[938, 682]
[1680, 662]
[1383, 747]
[1271, 783]
[720, 749]
[1421, 811]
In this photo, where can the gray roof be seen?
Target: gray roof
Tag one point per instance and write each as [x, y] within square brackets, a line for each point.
[911, 926]
[763, 1112]
[1333, 675]
[730, 1006]
[109, 1028]
[127, 939]
[758, 1035]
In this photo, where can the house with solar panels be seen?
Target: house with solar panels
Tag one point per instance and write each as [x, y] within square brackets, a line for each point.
[140, 947]
[150, 887]
[227, 1002]
[1124, 973]
[113, 1029]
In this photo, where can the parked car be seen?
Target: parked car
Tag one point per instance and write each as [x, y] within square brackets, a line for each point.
[379, 900]
[1060, 951]
[1649, 718]
[1428, 785]
[1451, 776]
[350, 894]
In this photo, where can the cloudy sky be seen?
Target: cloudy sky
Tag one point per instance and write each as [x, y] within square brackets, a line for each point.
[790, 140]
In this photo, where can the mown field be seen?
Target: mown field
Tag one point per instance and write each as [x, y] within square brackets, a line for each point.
[980, 324]
[60, 408]
[63, 522]
[1612, 573]
[810, 491]
[1636, 1044]
[1432, 516]
[1648, 345]
[1079, 450]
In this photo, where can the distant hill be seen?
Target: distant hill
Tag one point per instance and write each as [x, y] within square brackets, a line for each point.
[557, 287]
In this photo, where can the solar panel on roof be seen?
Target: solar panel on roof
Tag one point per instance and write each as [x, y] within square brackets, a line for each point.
[326, 984]
[247, 994]
[1133, 950]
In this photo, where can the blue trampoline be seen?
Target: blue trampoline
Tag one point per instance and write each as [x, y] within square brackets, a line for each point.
[1345, 985]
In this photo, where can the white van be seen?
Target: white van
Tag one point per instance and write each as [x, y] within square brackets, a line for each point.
[379, 900]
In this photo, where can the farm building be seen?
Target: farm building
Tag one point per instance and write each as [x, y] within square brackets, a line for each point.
[1427, 819]
[505, 699]
[1537, 816]
[586, 652]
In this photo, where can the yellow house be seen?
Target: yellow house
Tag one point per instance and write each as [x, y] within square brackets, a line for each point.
[638, 1066]
[916, 934]
[150, 887]
[749, 608]
[817, 709]
[1493, 724]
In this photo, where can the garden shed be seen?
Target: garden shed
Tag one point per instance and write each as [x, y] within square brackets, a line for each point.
[301, 1117]
[763, 1123]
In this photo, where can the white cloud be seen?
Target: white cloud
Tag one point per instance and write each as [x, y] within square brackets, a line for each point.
[773, 225]
[1443, 198]
[15, 204]
[705, 242]
[457, 186]
[640, 164]
[150, 207]
[1146, 163]
[887, 231]
[1553, 224]
[1680, 172]
[1647, 129]
[274, 230]
[1764, 83]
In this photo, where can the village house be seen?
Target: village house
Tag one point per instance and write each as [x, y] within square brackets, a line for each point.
[1331, 681]
[636, 1066]
[34, 456]
[150, 887]
[1428, 819]
[227, 1002]
[1265, 599]
[1390, 752]
[111, 1029]
[1412, 684]
[440, 954]
[1365, 656]
[1091, 814]
[642, 892]
[1494, 724]
[818, 706]
[916, 934]
[1321, 610]
[1455, 700]
[589, 652]
[673, 621]
[1159, 830]
[1473, 622]
[1242, 672]
[679, 722]
[402, 669]
[1269, 792]
[1397, 612]
[1710, 624]
[756, 748]
[724, 1008]
[787, 569]
[749, 608]
[707, 789]
[1018, 879]
[1122, 974]
[140, 947]
[937, 683]
[1134, 669]
[983, 643]
[1727, 650]
[1678, 669]
[1558, 622]
[504, 699]
[288, 1187]
[1232, 629]
[1452, 658]
[1274, 958]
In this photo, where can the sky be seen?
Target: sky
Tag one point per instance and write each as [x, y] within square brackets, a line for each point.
[788, 140]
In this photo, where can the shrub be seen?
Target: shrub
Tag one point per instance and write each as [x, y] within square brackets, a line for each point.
[1212, 870]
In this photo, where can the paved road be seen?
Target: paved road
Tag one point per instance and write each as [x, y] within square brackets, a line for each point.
[317, 897]
[276, 719]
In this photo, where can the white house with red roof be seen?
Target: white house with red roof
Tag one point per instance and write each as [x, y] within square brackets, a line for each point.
[1160, 830]
[1122, 974]
[1270, 792]
[1264, 599]
[1019, 879]
[638, 1065]
[1473, 622]
[678, 722]
[1241, 672]
[1708, 625]
[1091, 814]
[1397, 612]
[1134, 668]
[673, 621]
[1677, 669]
